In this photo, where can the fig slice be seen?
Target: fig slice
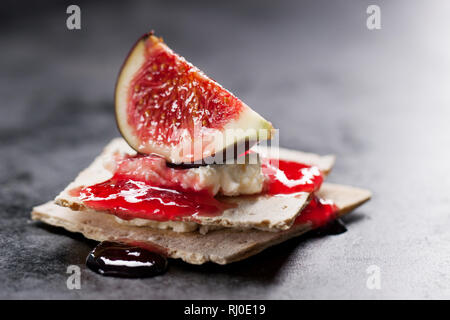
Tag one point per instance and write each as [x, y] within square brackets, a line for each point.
[166, 106]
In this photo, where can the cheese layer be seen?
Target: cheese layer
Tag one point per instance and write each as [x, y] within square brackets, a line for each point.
[229, 179]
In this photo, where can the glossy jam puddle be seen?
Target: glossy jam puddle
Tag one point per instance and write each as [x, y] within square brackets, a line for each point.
[125, 260]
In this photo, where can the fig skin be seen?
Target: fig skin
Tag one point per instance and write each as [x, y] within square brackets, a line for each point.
[144, 37]
[248, 119]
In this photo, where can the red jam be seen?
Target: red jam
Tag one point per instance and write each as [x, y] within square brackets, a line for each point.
[319, 212]
[291, 177]
[128, 194]
[129, 199]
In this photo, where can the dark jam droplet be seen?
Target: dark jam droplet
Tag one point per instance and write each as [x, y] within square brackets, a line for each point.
[333, 227]
[125, 261]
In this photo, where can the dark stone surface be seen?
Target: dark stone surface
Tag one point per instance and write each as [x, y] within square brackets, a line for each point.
[379, 100]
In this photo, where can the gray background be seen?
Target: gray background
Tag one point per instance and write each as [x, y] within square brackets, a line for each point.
[379, 100]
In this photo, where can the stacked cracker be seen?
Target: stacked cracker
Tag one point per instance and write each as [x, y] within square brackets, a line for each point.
[253, 224]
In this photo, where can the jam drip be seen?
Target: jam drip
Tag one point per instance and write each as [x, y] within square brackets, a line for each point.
[318, 212]
[126, 261]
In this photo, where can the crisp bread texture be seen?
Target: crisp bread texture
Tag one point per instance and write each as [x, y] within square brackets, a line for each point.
[250, 211]
[219, 246]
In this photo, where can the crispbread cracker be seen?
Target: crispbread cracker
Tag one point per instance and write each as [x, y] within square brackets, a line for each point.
[250, 212]
[219, 246]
